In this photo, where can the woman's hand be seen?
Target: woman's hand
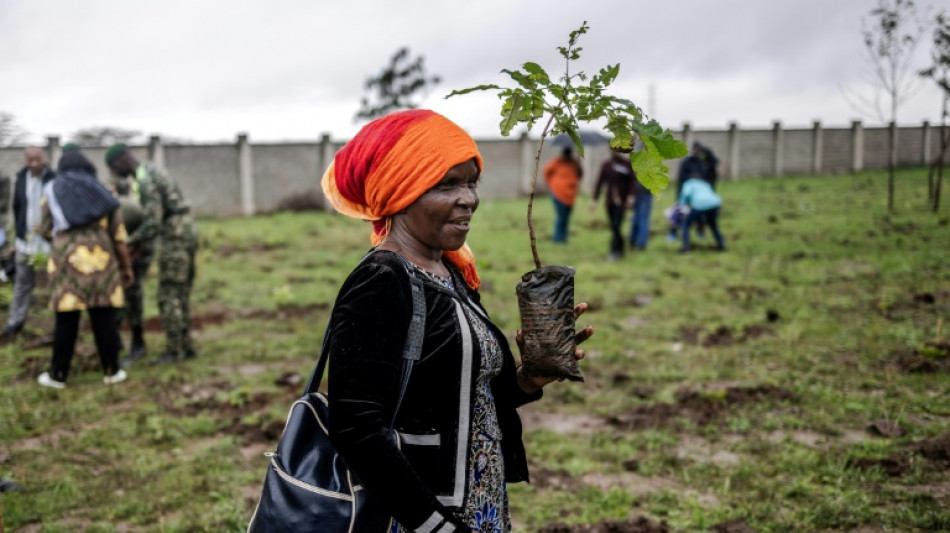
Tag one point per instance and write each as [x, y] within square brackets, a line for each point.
[533, 384]
[127, 277]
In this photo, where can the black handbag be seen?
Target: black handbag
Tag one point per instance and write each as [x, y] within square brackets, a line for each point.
[308, 488]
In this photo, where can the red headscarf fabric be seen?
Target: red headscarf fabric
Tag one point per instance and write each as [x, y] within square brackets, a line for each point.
[393, 161]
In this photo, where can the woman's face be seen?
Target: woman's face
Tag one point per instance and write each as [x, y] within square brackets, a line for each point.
[440, 218]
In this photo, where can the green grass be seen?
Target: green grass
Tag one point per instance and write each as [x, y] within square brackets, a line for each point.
[179, 448]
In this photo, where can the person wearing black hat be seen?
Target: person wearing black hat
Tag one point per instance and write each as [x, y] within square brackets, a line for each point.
[165, 214]
[88, 265]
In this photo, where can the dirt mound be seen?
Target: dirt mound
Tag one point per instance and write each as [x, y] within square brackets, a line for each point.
[895, 465]
[935, 448]
[199, 322]
[723, 335]
[732, 526]
[639, 524]
[700, 407]
[932, 358]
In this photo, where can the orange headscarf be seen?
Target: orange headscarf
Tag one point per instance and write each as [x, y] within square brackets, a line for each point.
[393, 161]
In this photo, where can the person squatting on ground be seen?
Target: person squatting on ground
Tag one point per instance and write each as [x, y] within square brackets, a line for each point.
[88, 265]
[27, 214]
[129, 191]
[704, 204]
[700, 163]
[166, 215]
[414, 174]
[616, 179]
[563, 176]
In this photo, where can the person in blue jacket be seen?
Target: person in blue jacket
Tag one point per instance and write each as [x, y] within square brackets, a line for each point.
[704, 204]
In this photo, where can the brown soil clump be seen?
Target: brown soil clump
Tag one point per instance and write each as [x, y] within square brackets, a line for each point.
[935, 448]
[894, 466]
[722, 336]
[732, 526]
[639, 524]
[700, 407]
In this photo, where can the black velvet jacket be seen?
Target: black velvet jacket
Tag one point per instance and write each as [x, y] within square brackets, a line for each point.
[423, 477]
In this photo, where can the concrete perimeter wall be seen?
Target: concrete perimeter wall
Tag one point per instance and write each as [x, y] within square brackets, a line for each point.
[242, 178]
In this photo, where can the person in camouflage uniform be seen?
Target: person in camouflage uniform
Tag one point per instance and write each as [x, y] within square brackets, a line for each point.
[128, 190]
[165, 214]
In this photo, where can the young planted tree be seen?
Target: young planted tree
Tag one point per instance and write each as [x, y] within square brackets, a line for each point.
[890, 39]
[394, 88]
[939, 72]
[561, 104]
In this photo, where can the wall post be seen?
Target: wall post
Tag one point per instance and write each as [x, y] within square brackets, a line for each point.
[246, 175]
[326, 157]
[733, 150]
[857, 146]
[778, 148]
[156, 151]
[53, 150]
[687, 134]
[816, 147]
[527, 163]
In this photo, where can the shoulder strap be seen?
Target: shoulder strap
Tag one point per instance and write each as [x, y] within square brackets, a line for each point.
[411, 351]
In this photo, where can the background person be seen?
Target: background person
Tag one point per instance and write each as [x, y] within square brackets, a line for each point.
[88, 265]
[459, 429]
[704, 204]
[640, 223]
[166, 214]
[617, 180]
[27, 214]
[563, 176]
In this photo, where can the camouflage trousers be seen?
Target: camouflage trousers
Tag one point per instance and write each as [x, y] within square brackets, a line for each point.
[176, 275]
[135, 294]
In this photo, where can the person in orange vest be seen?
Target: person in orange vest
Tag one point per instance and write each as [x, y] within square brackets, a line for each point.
[563, 176]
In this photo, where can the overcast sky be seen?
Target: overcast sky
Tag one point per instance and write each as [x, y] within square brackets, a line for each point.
[293, 69]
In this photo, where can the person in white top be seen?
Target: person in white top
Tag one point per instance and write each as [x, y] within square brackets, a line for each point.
[27, 213]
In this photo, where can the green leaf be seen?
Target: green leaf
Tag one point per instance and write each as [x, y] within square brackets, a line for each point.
[651, 171]
[486, 87]
[535, 70]
[510, 110]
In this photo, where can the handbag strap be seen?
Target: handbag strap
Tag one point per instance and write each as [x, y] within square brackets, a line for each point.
[410, 353]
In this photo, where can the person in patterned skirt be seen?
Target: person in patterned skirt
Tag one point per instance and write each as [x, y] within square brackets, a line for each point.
[414, 174]
[88, 265]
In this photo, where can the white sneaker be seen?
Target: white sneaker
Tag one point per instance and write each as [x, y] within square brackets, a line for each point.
[46, 381]
[118, 377]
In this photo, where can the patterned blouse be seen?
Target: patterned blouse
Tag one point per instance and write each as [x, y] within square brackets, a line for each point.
[486, 507]
[82, 267]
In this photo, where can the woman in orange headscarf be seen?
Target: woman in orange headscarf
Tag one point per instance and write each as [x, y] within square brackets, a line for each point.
[414, 174]
[563, 176]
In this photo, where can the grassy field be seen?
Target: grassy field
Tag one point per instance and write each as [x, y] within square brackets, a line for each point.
[797, 382]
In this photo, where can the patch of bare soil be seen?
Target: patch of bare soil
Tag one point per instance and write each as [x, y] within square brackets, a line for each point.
[254, 247]
[894, 466]
[935, 448]
[215, 318]
[560, 423]
[700, 407]
[732, 526]
[933, 359]
[722, 335]
[639, 524]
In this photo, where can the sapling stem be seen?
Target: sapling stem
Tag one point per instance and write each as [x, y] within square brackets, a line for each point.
[534, 184]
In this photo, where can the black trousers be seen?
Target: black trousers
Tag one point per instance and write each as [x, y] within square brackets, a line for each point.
[64, 341]
[615, 214]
